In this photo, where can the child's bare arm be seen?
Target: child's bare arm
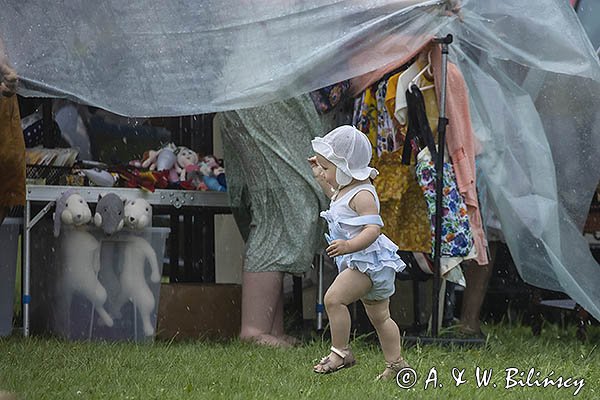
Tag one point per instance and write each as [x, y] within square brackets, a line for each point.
[364, 204]
[317, 171]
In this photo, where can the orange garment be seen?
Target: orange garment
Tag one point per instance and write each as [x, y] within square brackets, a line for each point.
[12, 154]
[462, 146]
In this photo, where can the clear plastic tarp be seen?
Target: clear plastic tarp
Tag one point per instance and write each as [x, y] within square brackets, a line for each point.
[533, 77]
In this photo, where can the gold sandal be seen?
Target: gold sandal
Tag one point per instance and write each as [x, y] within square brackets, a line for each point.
[392, 369]
[327, 365]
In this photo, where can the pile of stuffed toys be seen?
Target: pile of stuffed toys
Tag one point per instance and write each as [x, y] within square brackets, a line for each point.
[86, 258]
[169, 167]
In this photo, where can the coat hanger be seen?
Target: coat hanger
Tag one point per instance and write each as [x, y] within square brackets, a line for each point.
[427, 69]
[398, 70]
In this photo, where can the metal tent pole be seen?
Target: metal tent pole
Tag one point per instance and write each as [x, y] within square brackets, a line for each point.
[439, 167]
[439, 162]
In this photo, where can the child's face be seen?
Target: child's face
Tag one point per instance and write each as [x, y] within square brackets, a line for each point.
[329, 169]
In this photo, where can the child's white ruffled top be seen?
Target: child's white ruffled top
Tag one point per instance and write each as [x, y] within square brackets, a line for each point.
[345, 223]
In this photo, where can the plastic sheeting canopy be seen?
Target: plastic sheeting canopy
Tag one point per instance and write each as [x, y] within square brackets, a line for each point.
[532, 75]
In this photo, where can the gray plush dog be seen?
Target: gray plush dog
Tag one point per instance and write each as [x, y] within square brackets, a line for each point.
[109, 213]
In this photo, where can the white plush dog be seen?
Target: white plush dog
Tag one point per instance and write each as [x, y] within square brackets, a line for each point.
[80, 254]
[136, 251]
[138, 214]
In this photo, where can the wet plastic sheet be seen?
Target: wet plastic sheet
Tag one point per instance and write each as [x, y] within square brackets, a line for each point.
[533, 78]
[163, 58]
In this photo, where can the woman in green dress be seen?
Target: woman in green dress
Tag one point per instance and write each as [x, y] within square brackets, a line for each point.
[275, 203]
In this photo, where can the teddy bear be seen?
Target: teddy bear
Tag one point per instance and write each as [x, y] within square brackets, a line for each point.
[136, 251]
[80, 256]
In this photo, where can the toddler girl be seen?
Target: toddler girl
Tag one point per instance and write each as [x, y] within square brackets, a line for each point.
[366, 259]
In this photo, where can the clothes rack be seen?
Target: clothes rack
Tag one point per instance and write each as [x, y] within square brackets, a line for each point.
[439, 167]
[444, 43]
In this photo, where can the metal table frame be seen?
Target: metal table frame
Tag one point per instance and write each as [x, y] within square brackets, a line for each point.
[176, 199]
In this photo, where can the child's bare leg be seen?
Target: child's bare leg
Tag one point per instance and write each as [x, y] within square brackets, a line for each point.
[389, 337]
[387, 330]
[349, 286]
[260, 295]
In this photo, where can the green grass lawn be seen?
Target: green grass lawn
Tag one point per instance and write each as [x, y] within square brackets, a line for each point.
[37, 368]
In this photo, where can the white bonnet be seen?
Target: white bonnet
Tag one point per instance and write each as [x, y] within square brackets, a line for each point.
[349, 150]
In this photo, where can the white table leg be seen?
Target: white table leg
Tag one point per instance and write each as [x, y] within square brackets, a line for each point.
[26, 297]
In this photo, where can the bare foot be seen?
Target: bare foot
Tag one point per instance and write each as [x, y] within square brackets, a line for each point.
[293, 341]
[266, 340]
[7, 396]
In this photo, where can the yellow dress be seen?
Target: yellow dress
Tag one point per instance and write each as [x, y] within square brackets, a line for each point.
[403, 207]
[12, 154]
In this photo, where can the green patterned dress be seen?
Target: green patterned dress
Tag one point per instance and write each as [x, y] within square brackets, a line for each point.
[274, 197]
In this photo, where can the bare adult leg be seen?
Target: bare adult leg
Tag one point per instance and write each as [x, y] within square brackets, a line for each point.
[261, 292]
[278, 329]
[477, 277]
[349, 286]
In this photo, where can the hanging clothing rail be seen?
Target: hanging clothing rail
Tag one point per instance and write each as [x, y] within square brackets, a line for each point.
[439, 167]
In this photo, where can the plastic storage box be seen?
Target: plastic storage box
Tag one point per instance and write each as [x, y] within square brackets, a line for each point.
[71, 297]
[9, 241]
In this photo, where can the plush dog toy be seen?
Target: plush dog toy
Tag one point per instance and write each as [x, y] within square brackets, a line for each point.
[109, 213]
[81, 257]
[138, 214]
[136, 251]
[71, 209]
